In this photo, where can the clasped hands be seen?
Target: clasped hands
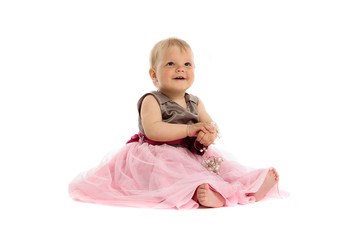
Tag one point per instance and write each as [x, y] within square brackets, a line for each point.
[206, 133]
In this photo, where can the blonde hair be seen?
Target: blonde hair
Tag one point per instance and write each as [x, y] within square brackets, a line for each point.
[163, 45]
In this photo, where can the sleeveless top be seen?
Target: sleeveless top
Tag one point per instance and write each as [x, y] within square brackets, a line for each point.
[171, 111]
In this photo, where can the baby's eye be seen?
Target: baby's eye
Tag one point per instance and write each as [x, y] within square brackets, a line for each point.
[188, 64]
[170, 64]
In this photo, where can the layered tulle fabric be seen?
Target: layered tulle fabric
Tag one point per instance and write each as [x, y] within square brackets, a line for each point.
[144, 175]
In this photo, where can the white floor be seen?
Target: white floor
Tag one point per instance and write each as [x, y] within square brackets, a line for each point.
[324, 203]
[282, 219]
[285, 219]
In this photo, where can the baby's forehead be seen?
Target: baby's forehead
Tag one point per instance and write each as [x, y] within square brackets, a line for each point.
[174, 51]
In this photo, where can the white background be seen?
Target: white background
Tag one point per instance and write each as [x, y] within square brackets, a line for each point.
[281, 78]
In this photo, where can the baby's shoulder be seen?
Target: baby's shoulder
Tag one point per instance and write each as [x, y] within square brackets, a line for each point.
[148, 99]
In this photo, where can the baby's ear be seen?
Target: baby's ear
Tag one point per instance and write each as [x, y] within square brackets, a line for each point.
[153, 76]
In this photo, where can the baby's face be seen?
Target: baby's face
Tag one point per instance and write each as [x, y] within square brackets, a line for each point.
[175, 71]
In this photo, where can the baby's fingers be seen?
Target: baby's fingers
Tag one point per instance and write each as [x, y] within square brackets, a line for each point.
[205, 139]
[209, 128]
[200, 136]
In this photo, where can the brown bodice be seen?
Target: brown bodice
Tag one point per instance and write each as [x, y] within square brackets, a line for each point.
[171, 111]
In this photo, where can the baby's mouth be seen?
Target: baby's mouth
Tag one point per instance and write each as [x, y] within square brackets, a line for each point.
[179, 78]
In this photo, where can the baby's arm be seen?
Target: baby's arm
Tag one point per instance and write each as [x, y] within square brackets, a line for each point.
[209, 137]
[203, 115]
[157, 130]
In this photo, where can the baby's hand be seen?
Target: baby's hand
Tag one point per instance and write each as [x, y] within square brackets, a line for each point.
[194, 129]
[206, 139]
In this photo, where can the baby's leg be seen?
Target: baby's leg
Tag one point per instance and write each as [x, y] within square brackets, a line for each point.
[270, 180]
[208, 198]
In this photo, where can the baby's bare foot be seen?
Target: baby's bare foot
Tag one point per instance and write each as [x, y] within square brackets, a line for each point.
[270, 180]
[209, 198]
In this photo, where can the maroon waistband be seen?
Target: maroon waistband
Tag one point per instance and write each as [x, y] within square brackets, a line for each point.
[190, 143]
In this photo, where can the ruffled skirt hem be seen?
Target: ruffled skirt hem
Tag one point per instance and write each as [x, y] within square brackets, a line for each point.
[149, 176]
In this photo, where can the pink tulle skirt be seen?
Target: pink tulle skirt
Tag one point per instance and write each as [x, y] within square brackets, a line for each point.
[164, 176]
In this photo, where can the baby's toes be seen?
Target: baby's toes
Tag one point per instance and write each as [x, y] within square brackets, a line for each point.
[201, 191]
[276, 176]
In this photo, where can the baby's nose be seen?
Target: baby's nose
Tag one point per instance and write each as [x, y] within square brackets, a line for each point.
[180, 69]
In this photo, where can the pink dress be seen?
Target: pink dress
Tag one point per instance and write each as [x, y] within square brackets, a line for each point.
[165, 176]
